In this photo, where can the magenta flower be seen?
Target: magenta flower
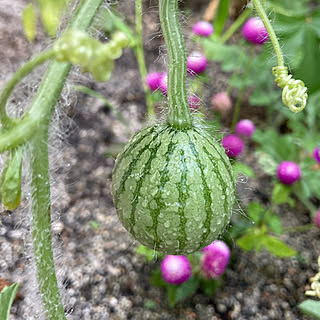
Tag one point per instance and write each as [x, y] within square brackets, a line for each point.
[245, 128]
[316, 154]
[288, 172]
[203, 29]
[214, 259]
[163, 87]
[317, 219]
[175, 269]
[153, 80]
[221, 102]
[254, 31]
[233, 145]
[194, 102]
[196, 63]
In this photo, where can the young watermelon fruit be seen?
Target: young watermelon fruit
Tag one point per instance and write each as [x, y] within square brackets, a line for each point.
[173, 189]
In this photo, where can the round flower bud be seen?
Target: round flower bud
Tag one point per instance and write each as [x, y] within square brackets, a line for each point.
[214, 259]
[203, 29]
[153, 80]
[288, 172]
[175, 269]
[194, 102]
[221, 102]
[317, 219]
[233, 145]
[245, 128]
[254, 31]
[316, 154]
[196, 63]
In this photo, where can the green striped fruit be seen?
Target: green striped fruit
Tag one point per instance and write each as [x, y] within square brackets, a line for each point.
[173, 189]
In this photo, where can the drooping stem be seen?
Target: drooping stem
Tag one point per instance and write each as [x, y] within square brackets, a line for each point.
[236, 25]
[179, 113]
[141, 59]
[5, 120]
[272, 34]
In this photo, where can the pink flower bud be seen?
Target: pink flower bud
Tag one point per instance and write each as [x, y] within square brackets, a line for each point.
[316, 154]
[153, 80]
[203, 29]
[245, 128]
[233, 145]
[163, 87]
[254, 31]
[175, 269]
[196, 63]
[214, 259]
[194, 102]
[288, 172]
[317, 219]
[221, 102]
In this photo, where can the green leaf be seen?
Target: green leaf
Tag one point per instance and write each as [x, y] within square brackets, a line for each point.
[277, 247]
[7, 296]
[186, 289]
[222, 15]
[255, 211]
[247, 242]
[148, 253]
[29, 20]
[310, 308]
[10, 182]
[209, 286]
[274, 223]
[280, 193]
[240, 167]
[156, 279]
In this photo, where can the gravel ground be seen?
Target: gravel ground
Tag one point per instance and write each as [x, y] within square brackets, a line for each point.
[100, 275]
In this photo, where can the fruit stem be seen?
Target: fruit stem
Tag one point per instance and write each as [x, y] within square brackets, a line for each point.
[141, 59]
[236, 25]
[179, 115]
[272, 34]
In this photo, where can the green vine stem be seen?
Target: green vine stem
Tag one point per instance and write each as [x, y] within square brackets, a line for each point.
[236, 25]
[179, 112]
[294, 94]
[6, 121]
[141, 59]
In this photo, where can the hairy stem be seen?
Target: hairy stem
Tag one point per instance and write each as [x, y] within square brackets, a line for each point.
[236, 25]
[270, 30]
[141, 59]
[37, 123]
[179, 112]
[5, 120]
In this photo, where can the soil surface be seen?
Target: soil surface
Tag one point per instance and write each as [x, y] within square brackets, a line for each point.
[100, 274]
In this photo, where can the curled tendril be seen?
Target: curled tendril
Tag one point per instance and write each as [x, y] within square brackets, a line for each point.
[294, 94]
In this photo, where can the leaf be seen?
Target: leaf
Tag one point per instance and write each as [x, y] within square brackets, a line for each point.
[7, 296]
[10, 182]
[221, 17]
[148, 253]
[274, 223]
[186, 289]
[209, 286]
[280, 193]
[156, 279]
[240, 167]
[310, 308]
[29, 20]
[247, 242]
[231, 57]
[277, 247]
[255, 211]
